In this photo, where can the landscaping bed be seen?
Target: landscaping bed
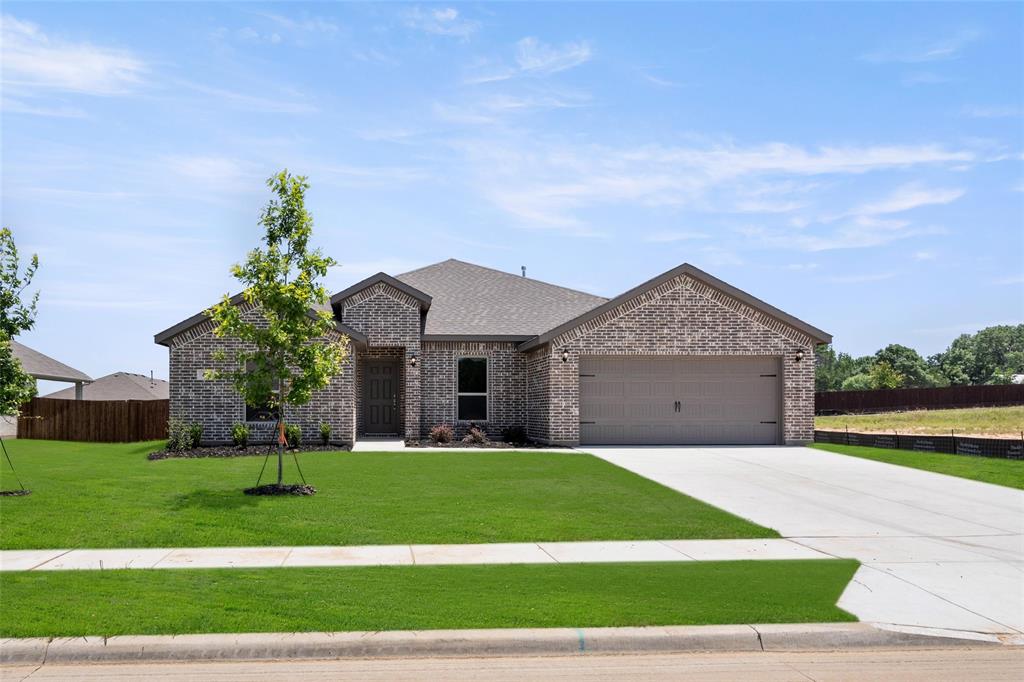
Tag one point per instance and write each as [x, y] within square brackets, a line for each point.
[152, 602]
[109, 495]
[488, 445]
[237, 451]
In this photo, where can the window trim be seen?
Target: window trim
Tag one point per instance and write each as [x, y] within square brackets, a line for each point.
[486, 394]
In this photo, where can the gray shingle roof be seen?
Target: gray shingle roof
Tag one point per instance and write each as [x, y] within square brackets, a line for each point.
[119, 386]
[44, 367]
[470, 299]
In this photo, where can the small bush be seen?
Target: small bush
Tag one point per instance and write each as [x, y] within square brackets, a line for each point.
[514, 434]
[195, 434]
[441, 434]
[475, 436]
[325, 433]
[179, 435]
[293, 434]
[240, 434]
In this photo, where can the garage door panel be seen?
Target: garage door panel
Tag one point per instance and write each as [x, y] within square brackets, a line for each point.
[722, 400]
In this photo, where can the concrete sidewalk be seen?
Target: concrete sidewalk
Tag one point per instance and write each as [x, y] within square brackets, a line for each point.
[397, 555]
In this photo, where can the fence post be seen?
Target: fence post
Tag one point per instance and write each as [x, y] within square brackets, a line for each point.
[897, 439]
[847, 434]
[952, 433]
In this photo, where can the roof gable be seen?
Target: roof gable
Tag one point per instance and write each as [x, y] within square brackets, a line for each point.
[423, 299]
[42, 366]
[471, 301]
[714, 284]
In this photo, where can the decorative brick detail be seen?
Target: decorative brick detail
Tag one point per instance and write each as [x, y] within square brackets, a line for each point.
[506, 385]
[680, 317]
[392, 320]
[216, 405]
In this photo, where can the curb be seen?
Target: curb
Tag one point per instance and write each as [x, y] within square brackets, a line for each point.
[475, 643]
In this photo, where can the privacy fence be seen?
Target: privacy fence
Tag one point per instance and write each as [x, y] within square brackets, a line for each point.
[888, 400]
[99, 421]
[1004, 448]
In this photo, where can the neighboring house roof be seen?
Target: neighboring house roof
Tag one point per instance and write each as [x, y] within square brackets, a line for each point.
[164, 337]
[685, 269]
[44, 367]
[471, 300]
[119, 386]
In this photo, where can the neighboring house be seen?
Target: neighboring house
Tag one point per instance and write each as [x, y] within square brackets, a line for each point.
[681, 359]
[119, 386]
[41, 366]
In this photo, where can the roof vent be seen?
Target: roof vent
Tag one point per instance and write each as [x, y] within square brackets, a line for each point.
[524, 270]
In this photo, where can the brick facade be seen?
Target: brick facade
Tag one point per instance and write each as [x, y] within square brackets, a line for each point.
[682, 316]
[217, 406]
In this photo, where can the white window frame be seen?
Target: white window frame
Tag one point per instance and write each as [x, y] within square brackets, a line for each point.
[486, 394]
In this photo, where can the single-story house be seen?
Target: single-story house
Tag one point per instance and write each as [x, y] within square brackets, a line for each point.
[41, 366]
[119, 386]
[683, 358]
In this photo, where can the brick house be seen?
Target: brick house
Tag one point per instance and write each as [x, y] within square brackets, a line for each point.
[681, 359]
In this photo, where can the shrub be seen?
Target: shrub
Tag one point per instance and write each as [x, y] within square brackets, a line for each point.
[179, 435]
[240, 434]
[514, 434]
[293, 434]
[325, 433]
[441, 434]
[195, 434]
[475, 436]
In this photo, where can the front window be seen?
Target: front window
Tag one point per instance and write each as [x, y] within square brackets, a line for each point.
[259, 413]
[472, 389]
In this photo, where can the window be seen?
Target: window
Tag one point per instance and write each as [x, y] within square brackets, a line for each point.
[472, 389]
[259, 413]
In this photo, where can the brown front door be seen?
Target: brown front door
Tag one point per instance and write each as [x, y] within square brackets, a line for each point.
[380, 398]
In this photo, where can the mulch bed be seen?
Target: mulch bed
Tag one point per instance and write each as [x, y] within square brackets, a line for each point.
[275, 489]
[14, 493]
[491, 445]
[235, 451]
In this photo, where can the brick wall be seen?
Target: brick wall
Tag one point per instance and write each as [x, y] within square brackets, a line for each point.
[538, 382]
[680, 317]
[506, 385]
[391, 319]
[216, 405]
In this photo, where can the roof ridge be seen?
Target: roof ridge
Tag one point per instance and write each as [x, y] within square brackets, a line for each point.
[503, 272]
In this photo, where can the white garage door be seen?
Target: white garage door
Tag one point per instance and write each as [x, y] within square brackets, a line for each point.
[679, 400]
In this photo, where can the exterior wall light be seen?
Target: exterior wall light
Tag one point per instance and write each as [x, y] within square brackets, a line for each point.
[799, 355]
[412, 360]
[565, 355]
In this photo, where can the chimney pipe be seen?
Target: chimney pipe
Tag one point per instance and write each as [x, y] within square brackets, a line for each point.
[524, 270]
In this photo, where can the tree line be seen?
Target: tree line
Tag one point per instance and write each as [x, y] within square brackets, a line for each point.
[990, 356]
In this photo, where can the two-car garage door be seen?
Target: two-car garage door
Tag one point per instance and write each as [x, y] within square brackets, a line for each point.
[679, 400]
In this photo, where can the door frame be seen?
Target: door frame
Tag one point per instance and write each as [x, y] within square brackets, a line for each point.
[364, 398]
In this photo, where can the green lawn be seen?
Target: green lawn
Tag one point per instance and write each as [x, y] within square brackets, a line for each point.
[976, 421]
[73, 603]
[110, 495]
[1006, 472]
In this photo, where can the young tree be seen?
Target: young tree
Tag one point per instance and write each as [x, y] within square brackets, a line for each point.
[883, 375]
[287, 352]
[16, 316]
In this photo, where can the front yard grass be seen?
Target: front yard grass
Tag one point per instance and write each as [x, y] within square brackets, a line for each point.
[76, 603]
[1006, 472]
[103, 495]
[992, 422]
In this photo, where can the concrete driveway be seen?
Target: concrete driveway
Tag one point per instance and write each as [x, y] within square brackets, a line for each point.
[938, 552]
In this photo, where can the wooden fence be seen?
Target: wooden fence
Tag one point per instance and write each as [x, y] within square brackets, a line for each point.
[888, 400]
[98, 421]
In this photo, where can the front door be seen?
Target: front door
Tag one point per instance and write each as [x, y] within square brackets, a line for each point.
[380, 398]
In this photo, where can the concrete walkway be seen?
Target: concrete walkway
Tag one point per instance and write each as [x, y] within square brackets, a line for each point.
[938, 551]
[399, 555]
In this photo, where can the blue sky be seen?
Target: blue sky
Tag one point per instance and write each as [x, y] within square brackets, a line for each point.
[859, 166]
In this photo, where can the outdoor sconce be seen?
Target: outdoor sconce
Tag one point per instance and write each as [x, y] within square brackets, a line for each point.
[412, 360]
[565, 355]
[799, 355]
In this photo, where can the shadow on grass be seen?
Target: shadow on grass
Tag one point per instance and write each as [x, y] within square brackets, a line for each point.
[213, 499]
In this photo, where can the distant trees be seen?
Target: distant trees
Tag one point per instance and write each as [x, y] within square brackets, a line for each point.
[991, 356]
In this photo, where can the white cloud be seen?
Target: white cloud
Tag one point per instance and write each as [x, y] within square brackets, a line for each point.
[210, 170]
[670, 236]
[444, 21]
[861, 279]
[34, 61]
[288, 102]
[305, 24]
[920, 51]
[1011, 280]
[992, 112]
[908, 197]
[533, 56]
[923, 255]
[658, 80]
[923, 78]
[15, 106]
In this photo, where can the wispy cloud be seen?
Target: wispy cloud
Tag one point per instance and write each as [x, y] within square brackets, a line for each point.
[910, 196]
[33, 60]
[443, 21]
[289, 102]
[1010, 280]
[923, 255]
[669, 236]
[658, 80]
[949, 47]
[534, 58]
[992, 112]
[861, 279]
[15, 106]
